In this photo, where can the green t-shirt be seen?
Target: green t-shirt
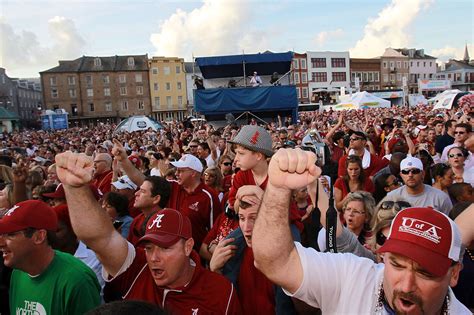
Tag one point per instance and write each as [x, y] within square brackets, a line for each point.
[67, 286]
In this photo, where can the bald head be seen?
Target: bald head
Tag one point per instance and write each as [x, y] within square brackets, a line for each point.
[102, 163]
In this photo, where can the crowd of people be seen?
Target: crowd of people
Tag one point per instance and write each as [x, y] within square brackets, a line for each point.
[196, 219]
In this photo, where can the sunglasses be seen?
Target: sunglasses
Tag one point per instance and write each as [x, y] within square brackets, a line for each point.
[193, 146]
[414, 171]
[227, 163]
[459, 132]
[380, 238]
[452, 155]
[396, 205]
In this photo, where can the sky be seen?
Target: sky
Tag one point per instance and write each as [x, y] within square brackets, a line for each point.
[34, 35]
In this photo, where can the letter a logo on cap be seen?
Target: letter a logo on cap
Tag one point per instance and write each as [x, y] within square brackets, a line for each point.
[10, 212]
[254, 138]
[156, 221]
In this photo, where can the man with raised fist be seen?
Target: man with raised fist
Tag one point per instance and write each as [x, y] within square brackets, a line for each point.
[422, 255]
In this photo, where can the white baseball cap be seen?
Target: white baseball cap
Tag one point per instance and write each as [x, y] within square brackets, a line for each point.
[125, 182]
[411, 162]
[189, 161]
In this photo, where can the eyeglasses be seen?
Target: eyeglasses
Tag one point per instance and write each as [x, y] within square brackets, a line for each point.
[380, 238]
[355, 139]
[414, 171]
[459, 132]
[354, 212]
[395, 182]
[452, 155]
[396, 205]
[193, 146]
[227, 163]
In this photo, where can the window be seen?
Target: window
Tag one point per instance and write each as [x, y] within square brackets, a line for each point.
[71, 80]
[424, 63]
[371, 77]
[385, 65]
[178, 69]
[298, 93]
[180, 101]
[296, 64]
[303, 63]
[90, 92]
[168, 102]
[318, 62]
[124, 105]
[105, 79]
[157, 101]
[431, 63]
[89, 80]
[168, 86]
[138, 77]
[406, 64]
[304, 78]
[385, 78]
[54, 93]
[139, 90]
[338, 62]
[74, 109]
[156, 86]
[376, 77]
[319, 76]
[123, 90]
[106, 91]
[297, 78]
[392, 78]
[392, 64]
[72, 93]
[417, 63]
[411, 63]
[131, 61]
[97, 62]
[364, 76]
[178, 85]
[154, 70]
[353, 76]
[339, 76]
[122, 78]
[399, 64]
[399, 77]
[91, 107]
[141, 105]
[166, 70]
[305, 92]
[52, 81]
[108, 106]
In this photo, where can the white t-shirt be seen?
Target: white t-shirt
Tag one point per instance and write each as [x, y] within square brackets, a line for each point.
[155, 172]
[346, 284]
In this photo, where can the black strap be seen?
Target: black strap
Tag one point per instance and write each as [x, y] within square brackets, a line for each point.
[331, 224]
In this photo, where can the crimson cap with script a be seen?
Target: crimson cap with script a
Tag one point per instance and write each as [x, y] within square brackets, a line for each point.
[166, 227]
[426, 236]
[29, 214]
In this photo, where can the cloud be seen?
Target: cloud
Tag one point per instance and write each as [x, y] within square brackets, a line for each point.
[391, 28]
[22, 55]
[323, 36]
[217, 27]
[449, 52]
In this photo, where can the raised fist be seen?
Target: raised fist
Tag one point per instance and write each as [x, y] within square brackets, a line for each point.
[118, 151]
[74, 169]
[293, 169]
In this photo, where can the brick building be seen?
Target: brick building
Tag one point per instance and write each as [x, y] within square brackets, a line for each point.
[368, 72]
[394, 68]
[300, 77]
[93, 89]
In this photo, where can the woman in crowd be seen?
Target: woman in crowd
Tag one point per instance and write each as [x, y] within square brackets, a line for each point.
[456, 158]
[6, 197]
[384, 184]
[116, 206]
[213, 179]
[354, 180]
[157, 164]
[443, 176]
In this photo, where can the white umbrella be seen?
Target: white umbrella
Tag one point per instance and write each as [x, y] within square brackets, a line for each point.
[447, 101]
[442, 95]
[362, 100]
[137, 123]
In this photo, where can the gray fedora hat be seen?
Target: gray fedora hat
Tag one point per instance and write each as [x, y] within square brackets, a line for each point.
[254, 138]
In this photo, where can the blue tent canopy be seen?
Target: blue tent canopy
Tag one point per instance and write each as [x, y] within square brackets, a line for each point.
[233, 66]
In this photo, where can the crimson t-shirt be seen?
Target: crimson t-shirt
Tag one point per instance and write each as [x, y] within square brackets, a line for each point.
[243, 178]
[373, 168]
[368, 186]
[222, 227]
[206, 293]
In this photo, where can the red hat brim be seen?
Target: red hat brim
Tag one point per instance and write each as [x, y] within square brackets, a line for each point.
[161, 239]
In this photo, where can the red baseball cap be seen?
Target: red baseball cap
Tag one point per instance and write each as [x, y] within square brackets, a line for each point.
[426, 236]
[60, 194]
[29, 214]
[166, 227]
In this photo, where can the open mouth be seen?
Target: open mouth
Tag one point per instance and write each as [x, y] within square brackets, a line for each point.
[157, 273]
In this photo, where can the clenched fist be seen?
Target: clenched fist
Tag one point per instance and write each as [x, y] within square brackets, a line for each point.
[293, 169]
[74, 169]
[118, 151]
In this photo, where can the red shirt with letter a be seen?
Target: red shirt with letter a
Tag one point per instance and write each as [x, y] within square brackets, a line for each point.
[206, 293]
[202, 207]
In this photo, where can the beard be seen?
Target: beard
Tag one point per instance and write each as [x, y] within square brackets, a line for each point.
[409, 298]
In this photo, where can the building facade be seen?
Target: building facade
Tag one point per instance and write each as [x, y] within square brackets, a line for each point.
[168, 90]
[394, 70]
[421, 66]
[327, 72]
[99, 89]
[367, 72]
[459, 72]
[300, 77]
